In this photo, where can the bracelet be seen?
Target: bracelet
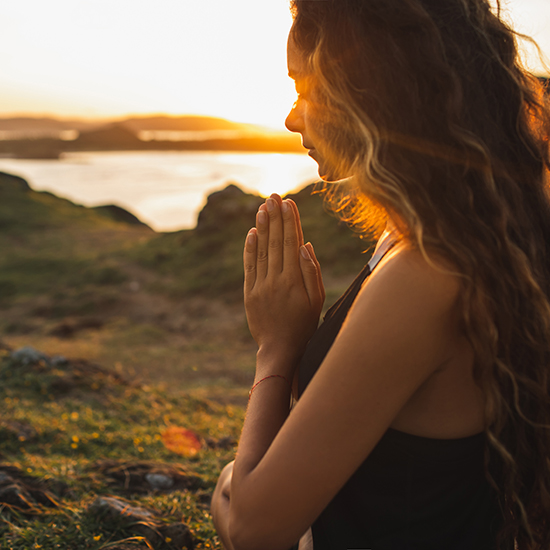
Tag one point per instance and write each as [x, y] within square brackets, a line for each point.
[270, 376]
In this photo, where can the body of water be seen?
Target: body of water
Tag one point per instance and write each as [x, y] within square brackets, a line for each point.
[165, 189]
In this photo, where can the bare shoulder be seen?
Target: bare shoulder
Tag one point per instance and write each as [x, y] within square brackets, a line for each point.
[405, 275]
[409, 300]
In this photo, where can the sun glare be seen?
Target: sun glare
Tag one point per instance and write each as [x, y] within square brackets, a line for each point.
[116, 57]
[218, 58]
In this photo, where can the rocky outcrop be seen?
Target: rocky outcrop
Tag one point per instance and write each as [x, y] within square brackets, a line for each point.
[13, 181]
[117, 214]
[225, 208]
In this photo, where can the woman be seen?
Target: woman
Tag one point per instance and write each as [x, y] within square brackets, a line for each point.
[424, 412]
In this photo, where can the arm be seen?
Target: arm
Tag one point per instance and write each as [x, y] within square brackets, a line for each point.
[219, 507]
[402, 321]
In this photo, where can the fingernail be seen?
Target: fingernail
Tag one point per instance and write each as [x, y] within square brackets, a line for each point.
[270, 204]
[304, 252]
[251, 239]
[284, 208]
[262, 217]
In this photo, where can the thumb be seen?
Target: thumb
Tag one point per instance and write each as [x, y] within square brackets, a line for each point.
[311, 276]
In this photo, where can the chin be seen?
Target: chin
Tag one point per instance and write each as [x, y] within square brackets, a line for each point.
[329, 176]
[328, 173]
[324, 172]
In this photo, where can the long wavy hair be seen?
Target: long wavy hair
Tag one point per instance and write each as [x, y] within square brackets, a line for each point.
[427, 105]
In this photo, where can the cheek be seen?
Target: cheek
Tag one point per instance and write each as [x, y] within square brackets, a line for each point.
[317, 122]
[337, 143]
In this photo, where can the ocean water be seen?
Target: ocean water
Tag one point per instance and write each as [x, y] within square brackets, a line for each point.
[165, 189]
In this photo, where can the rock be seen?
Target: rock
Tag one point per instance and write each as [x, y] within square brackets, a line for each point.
[27, 356]
[224, 208]
[59, 375]
[116, 507]
[144, 477]
[16, 181]
[118, 214]
[160, 482]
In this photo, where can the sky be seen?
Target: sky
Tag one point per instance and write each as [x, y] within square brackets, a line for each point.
[111, 58]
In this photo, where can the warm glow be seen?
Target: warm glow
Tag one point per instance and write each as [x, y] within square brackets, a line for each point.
[116, 57]
[532, 18]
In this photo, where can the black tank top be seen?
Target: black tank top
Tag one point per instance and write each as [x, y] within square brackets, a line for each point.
[411, 493]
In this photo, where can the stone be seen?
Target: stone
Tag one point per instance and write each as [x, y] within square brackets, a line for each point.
[119, 508]
[144, 476]
[28, 356]
[160, 482]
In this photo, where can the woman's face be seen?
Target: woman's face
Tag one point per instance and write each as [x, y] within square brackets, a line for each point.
[305, 116]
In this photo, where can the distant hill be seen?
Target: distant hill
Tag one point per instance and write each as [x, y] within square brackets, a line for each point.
[34, 126]
[111, 136]
[27, 137]
[45, 124]
[181, 123]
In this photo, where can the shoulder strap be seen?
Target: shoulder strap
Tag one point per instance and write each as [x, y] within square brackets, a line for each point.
[386, 242]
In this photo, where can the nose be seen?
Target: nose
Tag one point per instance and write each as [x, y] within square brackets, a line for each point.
[294, 120]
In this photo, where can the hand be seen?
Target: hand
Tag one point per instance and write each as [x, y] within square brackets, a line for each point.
[283, 288]
[219, 507]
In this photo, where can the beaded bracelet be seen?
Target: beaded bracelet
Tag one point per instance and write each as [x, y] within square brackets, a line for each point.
[270, 376]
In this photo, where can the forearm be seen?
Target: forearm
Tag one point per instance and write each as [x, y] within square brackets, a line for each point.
[267, 411]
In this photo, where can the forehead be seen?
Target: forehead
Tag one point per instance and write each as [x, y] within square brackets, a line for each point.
[297, 67]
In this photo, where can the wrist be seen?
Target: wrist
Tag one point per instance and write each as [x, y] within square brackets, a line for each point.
[276, 360]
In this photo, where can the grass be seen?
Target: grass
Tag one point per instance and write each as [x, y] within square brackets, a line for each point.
[61, 420]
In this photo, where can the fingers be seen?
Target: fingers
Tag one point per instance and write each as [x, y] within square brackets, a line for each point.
[298, 222]
[262, 226]
[277, 239]
[275, 236]
[311, 278]
[250, 259]
[309, 247]
[291, 238]
[277, 198]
